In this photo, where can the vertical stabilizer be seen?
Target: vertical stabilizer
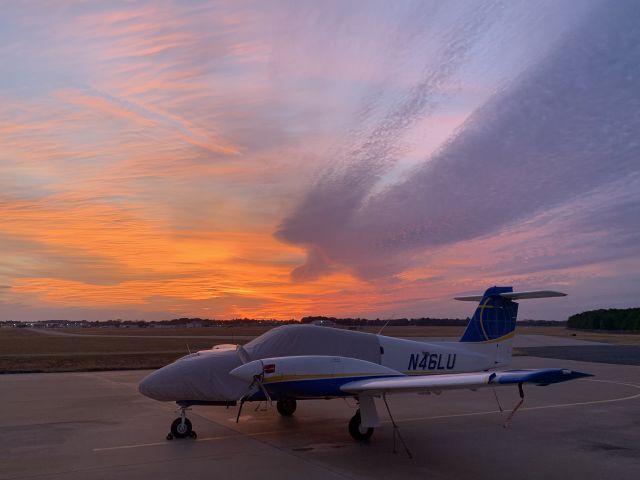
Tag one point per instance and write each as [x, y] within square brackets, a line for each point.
[494, 318]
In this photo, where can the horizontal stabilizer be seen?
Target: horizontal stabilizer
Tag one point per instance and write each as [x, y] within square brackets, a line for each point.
[516, 295]
[469, 298]
[532, 294]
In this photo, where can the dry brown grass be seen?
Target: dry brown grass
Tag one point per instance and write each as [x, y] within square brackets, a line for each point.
[170, 332]
[23, 341]
[84, 363]
[23, 350]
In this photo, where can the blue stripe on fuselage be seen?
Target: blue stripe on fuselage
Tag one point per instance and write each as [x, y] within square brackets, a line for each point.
[312, 388]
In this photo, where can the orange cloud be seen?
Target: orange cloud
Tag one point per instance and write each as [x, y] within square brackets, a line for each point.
[194, 268]
[101, 104]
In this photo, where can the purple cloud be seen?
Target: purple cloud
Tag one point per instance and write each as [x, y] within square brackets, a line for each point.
[564, 128]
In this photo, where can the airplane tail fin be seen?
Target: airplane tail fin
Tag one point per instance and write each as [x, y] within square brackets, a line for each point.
[495, 317]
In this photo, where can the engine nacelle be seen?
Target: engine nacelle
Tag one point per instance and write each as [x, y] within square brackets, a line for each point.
[309, 376]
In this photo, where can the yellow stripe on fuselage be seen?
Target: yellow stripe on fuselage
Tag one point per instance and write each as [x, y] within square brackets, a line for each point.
[320, 376]
[421, 373]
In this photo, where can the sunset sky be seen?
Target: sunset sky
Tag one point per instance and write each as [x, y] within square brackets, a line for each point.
[279, 159]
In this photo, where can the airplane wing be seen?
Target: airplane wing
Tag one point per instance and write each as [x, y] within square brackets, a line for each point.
[427, 383]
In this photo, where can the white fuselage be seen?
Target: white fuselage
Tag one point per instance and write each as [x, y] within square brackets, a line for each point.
[427, 358]
[205, 376]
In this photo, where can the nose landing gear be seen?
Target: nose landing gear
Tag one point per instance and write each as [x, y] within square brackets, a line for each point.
[181, 427]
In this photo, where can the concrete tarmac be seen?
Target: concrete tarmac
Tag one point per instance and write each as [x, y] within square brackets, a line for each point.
[525, 341]
[618, 354]
[96, 425]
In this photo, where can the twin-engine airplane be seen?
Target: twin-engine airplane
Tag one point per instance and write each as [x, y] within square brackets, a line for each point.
[298, 362]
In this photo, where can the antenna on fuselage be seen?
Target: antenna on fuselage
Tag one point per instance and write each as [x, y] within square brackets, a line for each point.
[385, 325]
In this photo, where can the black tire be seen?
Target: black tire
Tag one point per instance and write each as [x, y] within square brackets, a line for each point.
[181, 431]
[355, 429]
[286, 406]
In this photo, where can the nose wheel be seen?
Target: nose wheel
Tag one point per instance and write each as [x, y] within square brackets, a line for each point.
[181, 427]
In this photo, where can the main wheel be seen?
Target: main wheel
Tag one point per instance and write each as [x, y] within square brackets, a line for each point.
[357, 431]
[286, 406]
[181, 430]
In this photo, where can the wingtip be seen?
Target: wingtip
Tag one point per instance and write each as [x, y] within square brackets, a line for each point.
[574, 374]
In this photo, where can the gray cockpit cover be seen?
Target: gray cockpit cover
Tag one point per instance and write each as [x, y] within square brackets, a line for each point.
[290, 340]
[204, 376]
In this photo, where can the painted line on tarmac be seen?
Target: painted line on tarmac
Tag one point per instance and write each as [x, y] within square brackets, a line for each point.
[170, 442]
[415, 419]
[542, 407]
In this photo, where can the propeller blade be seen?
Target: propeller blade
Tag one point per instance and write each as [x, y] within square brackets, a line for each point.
[264, 390]
[240, 409]
[257, 380]
[250, 371]
[243, 354]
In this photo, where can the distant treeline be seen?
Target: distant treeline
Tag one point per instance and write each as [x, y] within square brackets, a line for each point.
[396, 322]
[610, 319]
[237, 322]
[174, 323]
[405, 322]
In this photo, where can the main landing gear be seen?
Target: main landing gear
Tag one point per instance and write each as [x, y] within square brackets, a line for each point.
[361, 433]
[286, 406]
[357, 431]
[181, 426]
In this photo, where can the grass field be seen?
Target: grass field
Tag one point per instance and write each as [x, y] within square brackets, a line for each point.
[24, 350]
[56, 350]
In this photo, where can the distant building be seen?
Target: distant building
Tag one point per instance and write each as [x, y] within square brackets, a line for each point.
[323, 322]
